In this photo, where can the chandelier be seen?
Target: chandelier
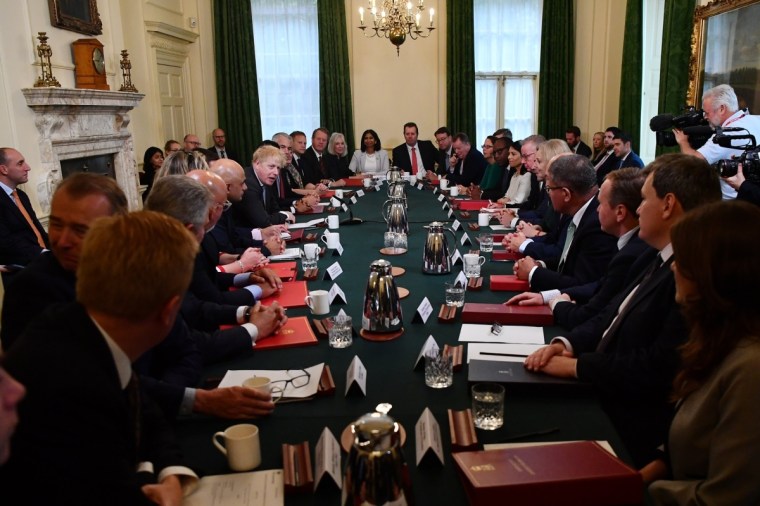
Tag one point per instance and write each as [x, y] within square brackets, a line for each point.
[395, 20]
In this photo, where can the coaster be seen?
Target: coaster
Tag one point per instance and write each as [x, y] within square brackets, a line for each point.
[380, 336]
[403, 293]
[397, 271]
[347, 438]
[473, 226]
[393, 251]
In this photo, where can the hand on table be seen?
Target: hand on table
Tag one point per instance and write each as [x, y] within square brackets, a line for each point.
[166, 493]
[526, 299]
[252, 258]
[233, 402]
[268, 319]
[537, 360]
[514, 241]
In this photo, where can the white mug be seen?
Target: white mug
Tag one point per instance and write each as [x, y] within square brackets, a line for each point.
[318, 301]
[264, 384]
[311, 250]
[241, 446]
[473, 259]
[339, 194]
[484, 219]
[331, 239]
[333, 222]
[412, 180]
[367, 182]
[444, 183]
[454, 191]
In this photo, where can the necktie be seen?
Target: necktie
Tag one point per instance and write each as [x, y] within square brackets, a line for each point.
[414, 161]
[321, 161]
[28, 218]
[223, 154]
[566, 248]
[133, 398]
[281, 186]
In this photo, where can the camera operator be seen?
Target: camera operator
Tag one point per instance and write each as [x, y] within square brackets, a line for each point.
[746, 190]
[721, 109]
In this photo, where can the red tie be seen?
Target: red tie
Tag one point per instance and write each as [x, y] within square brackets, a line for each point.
[414, 161]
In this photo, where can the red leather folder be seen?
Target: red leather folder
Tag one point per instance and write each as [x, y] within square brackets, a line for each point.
[296, 332]
[353, 182]
[292, 294]
[286, 270]
[508, 283]
[506, 255]
[474, 312]
[569, 474]
[471, 205]
[315, 209]
[295, 235]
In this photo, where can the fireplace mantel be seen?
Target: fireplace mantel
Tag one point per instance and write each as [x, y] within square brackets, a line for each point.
[76, 123]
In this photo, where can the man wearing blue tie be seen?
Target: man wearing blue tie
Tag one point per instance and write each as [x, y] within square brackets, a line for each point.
[626, 157]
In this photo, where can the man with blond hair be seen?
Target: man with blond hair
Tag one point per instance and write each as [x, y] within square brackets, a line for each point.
[259, 208]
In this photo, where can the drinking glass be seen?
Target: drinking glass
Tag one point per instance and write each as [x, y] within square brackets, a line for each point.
[454, 294]
[488, 405]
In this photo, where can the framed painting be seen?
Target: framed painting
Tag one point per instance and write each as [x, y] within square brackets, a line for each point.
[76, 15]
[724, 50]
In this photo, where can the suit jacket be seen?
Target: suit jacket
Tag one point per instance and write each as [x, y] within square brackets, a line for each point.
[231, 154]
[610, 164]
[632, 160]
[18, 243]
[76, 442]
[591, 298]
[634, 372]
[311, 168]
[583, 149]
[252, 211]
[588, 256]
[549, 247]
[359, 160]
[470, 170]
[538, 203]
[501, 176]
[209, 285]
[443, 161]
[428, 153]
[337, 168]
[230, 238]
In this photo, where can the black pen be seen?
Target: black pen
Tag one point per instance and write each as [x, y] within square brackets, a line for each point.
[530, 434]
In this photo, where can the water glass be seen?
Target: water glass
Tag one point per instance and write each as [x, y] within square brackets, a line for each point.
[395, 240]
[486, 243]
[454, 294]
[340, 333]
[488, 405]
[439, 369]
[309, 258]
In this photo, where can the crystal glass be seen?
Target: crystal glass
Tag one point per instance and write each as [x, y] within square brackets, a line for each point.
[340, 333]
[439, 369]
[488, 405]
[454, 294]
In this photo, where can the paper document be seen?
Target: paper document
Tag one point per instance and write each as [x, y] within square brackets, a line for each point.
[500, 227]
[288, 254]
[490, 209]
[506, 446]
[312, 223]
[518, 334]
[500, 352]
[260, 488]
[298, 383]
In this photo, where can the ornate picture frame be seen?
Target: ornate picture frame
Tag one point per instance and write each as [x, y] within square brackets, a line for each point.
[76, 15]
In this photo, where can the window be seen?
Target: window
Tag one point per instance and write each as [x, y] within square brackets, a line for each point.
[287, 64]
[507, 58]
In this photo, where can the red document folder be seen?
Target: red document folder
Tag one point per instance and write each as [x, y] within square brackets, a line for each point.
[354, 182]
[471, 205]
[292, 294]
[567, 474]
[474, 312]
[315, 209]
[296, 332]
[508, 283]
[286, 270]
[506, 255]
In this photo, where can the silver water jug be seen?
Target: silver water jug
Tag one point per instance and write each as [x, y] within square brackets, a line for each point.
[376, 472]
[382, 305]
[394, 213]
[397, 190]
[394, 174]
[436, 258]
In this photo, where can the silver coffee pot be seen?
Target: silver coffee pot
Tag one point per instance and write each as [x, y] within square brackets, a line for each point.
[436, 258]
[376, 472]
[394, 213]
[397, 190]
[382, 305]
[394, 174]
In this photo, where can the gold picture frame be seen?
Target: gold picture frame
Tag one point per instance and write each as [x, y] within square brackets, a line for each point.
[722, 51]
[79, 16]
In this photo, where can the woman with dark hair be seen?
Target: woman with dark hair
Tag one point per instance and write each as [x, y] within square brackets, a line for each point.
[492, 177]
[714, 441]
[519, 184]
[371, 158]
[152, 161]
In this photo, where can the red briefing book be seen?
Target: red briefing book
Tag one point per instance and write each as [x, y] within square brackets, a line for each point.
[508, 283]
[472, 205]
[295, 235]
[503, 255]
[474, 312]
[353, 181]
[297, 332]
[286, 270]
[292, 294]
[315, 209]
[568, 474]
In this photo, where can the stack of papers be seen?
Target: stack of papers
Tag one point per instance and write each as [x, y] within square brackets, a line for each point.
[288, 254]
[312, 223]
[513, 344]
[282, 377]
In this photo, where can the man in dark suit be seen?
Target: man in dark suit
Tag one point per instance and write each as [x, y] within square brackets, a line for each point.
[22, 237]
[84, 415]
[220, 147]
[469, 163]
[259, 208]
[414, 156]
[606, 161]
[444, 140]
[573, 139]
[625, 156]
[312, 163]
[629, 350]
[586, 249]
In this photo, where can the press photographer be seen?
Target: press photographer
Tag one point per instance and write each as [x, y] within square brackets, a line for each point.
[721, 109]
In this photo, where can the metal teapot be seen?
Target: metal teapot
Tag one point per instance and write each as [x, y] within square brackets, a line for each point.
[397, 190]
[394, 174]
[382, 305]
[436, 258]
[376, 471]
[394, 213]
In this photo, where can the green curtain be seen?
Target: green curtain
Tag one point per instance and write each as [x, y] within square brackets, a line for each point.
[460, 67]
[555, 93]
[676, 52]
[236, 82]
[335, 106]
[629, 115]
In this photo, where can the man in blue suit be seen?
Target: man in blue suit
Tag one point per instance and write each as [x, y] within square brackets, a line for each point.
[621, 143]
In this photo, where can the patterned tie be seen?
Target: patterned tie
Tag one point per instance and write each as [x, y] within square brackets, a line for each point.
[414, 161]
[223, 154]
[566, 248]
[28, 218]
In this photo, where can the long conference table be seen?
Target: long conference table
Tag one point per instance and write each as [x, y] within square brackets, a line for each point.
[390, 374]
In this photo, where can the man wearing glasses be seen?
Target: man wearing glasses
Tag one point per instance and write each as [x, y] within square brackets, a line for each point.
[220, 147]
[191, 143]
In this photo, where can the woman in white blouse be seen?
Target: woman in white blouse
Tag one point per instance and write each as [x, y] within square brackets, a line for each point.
[519, 183]
[371, 158]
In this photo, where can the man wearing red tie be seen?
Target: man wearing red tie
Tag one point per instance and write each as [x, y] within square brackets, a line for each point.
[414, 156]
[22, 237]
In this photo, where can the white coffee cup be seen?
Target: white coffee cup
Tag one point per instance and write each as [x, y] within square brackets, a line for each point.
[412, 180]
[311, 250]
[264, 384]
[443, 183]
[339, 194]
[333, 222]
[367, 181]
[318, 301]
[331, 239]
[473, 259]
[484, 219]
[241, 446]
[454, 192]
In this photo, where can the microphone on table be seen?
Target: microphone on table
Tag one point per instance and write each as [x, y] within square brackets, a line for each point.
[350, 220]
